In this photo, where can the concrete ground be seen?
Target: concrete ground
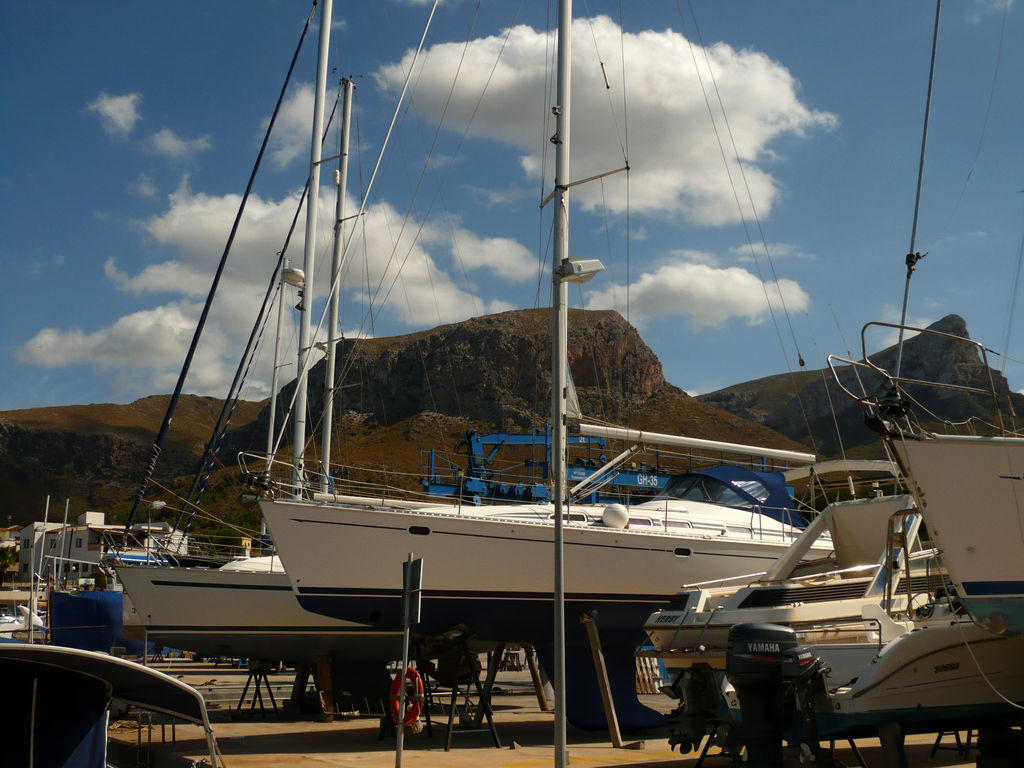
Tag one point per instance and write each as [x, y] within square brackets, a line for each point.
[525, 733]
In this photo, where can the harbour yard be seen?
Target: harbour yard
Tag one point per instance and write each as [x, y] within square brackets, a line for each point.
[250, 739]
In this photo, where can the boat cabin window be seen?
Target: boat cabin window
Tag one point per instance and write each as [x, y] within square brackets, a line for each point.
[636, 522]
[739, 530]
[716, 530]
[679, 524]
[696, 487]
[755, 488]
[574, 517]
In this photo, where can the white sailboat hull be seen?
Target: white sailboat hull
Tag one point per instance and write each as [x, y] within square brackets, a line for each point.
[250, 614]
[493, 574]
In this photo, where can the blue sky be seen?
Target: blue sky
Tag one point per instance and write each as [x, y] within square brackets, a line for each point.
[129, 129]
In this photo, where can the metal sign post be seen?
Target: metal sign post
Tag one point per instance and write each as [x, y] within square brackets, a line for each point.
[412, 589]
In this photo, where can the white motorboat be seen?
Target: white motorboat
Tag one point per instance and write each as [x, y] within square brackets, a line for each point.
[17, 627]
[839, 605]
[970, 490]
[889, 643]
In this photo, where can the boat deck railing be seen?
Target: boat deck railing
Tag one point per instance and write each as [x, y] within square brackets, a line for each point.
[887, 400]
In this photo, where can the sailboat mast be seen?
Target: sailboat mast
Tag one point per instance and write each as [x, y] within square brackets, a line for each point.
[348, 87]
[275, 374]
[309, 252]
[559, 344]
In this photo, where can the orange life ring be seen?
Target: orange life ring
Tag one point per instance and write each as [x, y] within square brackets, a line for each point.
[414, 702]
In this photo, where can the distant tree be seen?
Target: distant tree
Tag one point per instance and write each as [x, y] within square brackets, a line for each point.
[8, 557]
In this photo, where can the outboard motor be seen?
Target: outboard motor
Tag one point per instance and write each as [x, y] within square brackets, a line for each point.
[803, 676]
[753, 664]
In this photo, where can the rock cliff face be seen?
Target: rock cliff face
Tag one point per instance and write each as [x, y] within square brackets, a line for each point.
[94, 469]
[811, 408]
[95, 454]
[494, 369]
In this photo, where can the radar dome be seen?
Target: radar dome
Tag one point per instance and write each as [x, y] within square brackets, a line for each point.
[615, 516]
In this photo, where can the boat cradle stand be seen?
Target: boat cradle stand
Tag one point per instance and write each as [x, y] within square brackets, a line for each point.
[258, 671]
[456, 666]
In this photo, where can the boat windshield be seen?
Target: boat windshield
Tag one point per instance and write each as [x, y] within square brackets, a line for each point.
[697, 487]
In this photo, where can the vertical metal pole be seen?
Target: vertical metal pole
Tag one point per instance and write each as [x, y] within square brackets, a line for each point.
[32, 727]
[275, 374]
[274, 382]
[33, 600]
[309, 252]
[332, 324]
[60, 566]
[559, 343]
[406, 603]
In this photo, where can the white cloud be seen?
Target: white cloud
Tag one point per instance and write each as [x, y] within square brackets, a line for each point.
[677, 169]
[978, 11]
[142, 352]
[776, 250]
[504, 256]
[167, 143]
[693, 256]
[118, 114]
[170, 276]
[498, 305]
[294, 126]
[500, 195]
[143, 187]
[706, 296]
[42, 266]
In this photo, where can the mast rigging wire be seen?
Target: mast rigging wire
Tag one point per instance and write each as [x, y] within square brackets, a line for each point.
[387, 138]
[912, 257]
[437, 196]
[176, 395]
[219, 432]
[750, 197]
[984, 130]
[1013, 299]
[739, 207]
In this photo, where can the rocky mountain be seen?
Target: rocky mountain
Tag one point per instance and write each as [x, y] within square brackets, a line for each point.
[810, 407]
[395, 396]
[494, 368]
[94, 454]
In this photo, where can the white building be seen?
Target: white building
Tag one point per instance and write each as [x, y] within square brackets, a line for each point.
[80, 547]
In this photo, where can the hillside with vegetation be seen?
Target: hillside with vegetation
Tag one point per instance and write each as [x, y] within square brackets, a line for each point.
[396, 398]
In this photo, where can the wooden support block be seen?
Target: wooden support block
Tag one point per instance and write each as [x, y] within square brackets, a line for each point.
[299, 684]
[538, 684]
[602, 680]
[325, 687]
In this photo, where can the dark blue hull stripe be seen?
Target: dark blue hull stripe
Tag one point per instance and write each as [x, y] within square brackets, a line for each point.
[273, 630]
[216, 585]
[995, 588]
[460, 594]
